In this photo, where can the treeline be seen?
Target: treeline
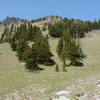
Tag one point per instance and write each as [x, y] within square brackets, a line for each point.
[77, 28]
[45, 18]
[30, 45]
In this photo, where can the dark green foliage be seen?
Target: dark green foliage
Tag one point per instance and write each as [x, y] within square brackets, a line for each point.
[56, 30]
[30, 32]
[13, 43]
[27, 53]
[30, 59]
[38, 53]
[33, 32]
[64, 68]
[1, 41]
[69, 49]
[22, 32]
[27, 32]
[75, 27]
[37, 32]
[21, 47]
[57, 68]
[43, 52]
[31, 65]
[74, 54]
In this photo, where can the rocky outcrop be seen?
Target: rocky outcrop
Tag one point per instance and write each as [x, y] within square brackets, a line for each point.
[9, 21]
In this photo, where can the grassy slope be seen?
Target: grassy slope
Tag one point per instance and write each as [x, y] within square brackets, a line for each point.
[13, 76]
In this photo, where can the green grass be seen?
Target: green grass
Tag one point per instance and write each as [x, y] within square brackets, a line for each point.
[14, 76]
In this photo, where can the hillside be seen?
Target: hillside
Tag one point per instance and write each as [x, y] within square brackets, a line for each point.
[36, 41]
[16, 22]
[16, 82]
[9, 21]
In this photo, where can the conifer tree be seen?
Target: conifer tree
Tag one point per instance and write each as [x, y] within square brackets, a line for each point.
[43, 52]
[31, 32]
[21, 47]
[23, 33]
[38, 54]
[13, 43]
[68, 49]
[30, 59]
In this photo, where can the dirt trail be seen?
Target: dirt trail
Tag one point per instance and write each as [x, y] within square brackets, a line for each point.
[53, 44]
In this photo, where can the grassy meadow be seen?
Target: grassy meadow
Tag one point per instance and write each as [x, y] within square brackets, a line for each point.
[14, 76]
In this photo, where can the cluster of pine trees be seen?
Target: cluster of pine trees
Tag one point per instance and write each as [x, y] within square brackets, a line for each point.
[33, 48]
[75, 27]
[30, 45]
[69, 49]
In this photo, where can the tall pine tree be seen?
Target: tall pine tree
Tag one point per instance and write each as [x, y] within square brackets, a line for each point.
[68, 49]
[43, 52]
